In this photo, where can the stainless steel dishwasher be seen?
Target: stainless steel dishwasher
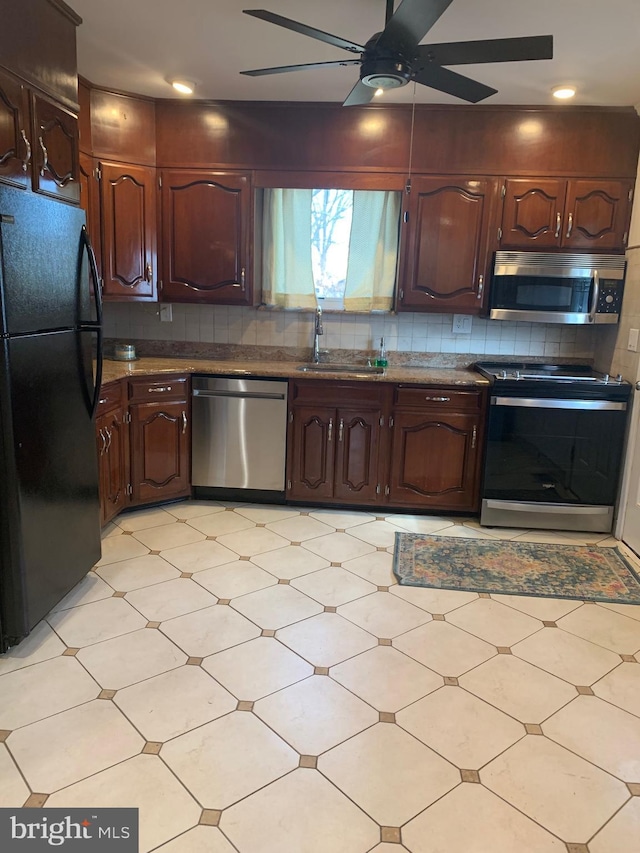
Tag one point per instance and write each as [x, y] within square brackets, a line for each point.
[239, 437]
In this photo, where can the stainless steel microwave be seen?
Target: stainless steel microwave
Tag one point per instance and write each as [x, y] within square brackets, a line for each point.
[556, 288]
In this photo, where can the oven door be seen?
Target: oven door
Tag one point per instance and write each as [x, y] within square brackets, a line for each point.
[554, 451]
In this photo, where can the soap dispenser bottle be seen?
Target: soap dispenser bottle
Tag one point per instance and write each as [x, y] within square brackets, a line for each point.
[381, 359]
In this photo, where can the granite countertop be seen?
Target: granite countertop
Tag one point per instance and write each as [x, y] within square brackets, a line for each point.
[114, 370]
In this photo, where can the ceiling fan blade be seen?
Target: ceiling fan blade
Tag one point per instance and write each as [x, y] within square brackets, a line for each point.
[488, 50]
[281, 69]
[411, 21]
[360, 94]
[448, 81]
[304, 30]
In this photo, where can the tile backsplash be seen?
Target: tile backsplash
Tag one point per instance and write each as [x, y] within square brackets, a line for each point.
[406, 333]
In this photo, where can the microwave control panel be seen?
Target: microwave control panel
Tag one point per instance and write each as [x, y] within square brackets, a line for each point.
[609, 297]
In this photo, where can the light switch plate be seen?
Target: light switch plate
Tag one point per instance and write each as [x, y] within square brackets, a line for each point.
[633, 340]
[461, 324]
[166, 313]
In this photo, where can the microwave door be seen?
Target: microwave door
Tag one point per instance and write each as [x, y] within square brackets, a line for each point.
[544, 296]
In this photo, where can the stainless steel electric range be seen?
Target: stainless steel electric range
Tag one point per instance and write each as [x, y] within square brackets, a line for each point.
[554, 446]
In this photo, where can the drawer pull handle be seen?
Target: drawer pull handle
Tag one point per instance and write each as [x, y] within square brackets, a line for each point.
[160, 389]
[341, 429]
[27, 154]
[104, 442]
[330, 433]
[439, 399]
[184, 422]
[109, 437]
[569, 225]
[474, 435]
[558, 224]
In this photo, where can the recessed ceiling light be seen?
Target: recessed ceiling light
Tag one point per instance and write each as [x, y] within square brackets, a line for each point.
[563, 93]
[185, 87]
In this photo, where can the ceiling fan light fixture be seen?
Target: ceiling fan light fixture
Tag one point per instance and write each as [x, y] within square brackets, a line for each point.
[563, 93]
[385, 74]
[378, 92]
[185, 87]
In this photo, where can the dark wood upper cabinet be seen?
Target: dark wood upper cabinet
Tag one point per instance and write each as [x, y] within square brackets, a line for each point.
[128, 217]
[206, 229]
[90, 203]
[15, 132]
[55, 154]
[551, 213]
[447, 238]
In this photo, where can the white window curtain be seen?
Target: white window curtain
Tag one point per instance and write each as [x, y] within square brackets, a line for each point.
[373, 251]
[286, 255]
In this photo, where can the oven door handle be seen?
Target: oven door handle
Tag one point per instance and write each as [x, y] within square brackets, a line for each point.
[593, 308]
[545, 403]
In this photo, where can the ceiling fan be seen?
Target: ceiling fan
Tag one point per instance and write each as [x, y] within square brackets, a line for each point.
[394, 57]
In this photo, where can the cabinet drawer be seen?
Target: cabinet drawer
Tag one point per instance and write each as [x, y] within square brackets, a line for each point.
[110, 397]
[337, 393]
[151, 389]
[437, 397]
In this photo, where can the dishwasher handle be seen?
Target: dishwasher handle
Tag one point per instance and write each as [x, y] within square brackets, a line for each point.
[240, 395]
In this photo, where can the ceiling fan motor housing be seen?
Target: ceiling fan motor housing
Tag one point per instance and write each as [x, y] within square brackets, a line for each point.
[384, 72]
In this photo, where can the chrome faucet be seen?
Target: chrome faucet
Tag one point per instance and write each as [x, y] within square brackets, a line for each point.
[318, 330]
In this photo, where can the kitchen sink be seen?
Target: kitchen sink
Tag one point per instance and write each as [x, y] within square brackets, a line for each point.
[341, 368]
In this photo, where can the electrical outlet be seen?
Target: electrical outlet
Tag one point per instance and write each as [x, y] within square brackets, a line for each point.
[461, 324]
[633, 340]
[166, 313]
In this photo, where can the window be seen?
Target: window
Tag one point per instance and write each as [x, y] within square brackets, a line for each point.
[333, 247]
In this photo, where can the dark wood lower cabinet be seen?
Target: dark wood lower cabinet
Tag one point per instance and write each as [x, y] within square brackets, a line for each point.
[312, 453]
[357, 453]
[112, 436]
[159, 451]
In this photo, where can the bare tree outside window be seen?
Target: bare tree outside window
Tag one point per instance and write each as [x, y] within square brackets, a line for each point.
[331, 212]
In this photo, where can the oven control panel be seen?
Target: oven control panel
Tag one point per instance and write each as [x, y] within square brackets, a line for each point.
[609, 297]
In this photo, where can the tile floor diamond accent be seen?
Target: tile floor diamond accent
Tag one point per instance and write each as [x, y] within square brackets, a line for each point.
[248, 543]
[385, 678]
[124, 660]
[494, 622]
[73, 745]
[143, 782]
[444, 648]
[175, 702]
[238, 577]
[604, 628]
[302, 812]
[326, 639]
[373, 766]
[92, 623]
[170, 599]
[338, 547]
[36, 801]
[198, 556]
[517, 688]
[41, 644]
[567, 656]
[46, 688]
[208, 631]
[13, 791]
[333, 586]
[315, 714]
[489, 824]
[257, 668]
[460, 727]
[276, 606]
[384, 615]
[616, 746]
[562, 792]
[621, 834]
[227, 759]
[621, 687]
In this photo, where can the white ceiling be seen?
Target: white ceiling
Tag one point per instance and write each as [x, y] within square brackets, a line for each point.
[135, 45]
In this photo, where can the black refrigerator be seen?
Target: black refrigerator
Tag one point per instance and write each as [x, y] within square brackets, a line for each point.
[50, 372]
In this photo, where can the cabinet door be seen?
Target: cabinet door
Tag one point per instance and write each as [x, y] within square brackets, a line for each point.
[113, 447]
[597, 215]
[55, 157]
[357, 451]
[90, 203]
[159, 450]
[532, 215]
[206, 226]
[447, 244]
[434, 460]
[312, 440]
[128, 215]
[15, 133]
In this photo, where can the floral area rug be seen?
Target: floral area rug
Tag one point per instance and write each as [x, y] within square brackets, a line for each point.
[517, 568]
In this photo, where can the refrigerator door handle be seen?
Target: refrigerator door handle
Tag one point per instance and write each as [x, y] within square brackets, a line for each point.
[97, 325]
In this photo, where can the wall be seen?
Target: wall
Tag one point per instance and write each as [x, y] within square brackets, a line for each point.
[406, 333]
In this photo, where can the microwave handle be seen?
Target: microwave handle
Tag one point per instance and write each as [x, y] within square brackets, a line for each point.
[593, 308]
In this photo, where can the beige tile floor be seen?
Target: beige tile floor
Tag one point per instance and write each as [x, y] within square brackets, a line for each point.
[254, 680]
